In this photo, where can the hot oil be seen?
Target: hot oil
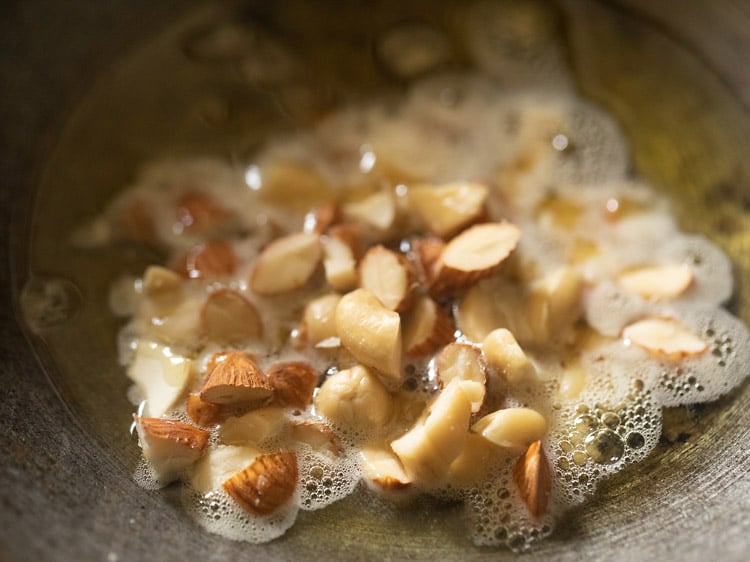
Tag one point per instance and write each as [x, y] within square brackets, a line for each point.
[194, 91]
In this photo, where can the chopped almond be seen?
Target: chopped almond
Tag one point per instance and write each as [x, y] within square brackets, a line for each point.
[426, 327]
[382, 470]
[318, 436]
[171, 446]
[339, 263]
[136, 221]
[388, 276]
[293, 383]
[158, 281]
[208, 260]
[253, 427]
[657, 282]
[504, 354]
[475, 253]
[371, 332]
[198, 212]
[354, 398]
[533, 477]
[664, 336]
[463, 362]
[203, 413]
[427, 252]
[237, 380]
[286, 264]
[554, 305]
[228, 317]
[513, 428]
[445, 209]
[322, 218]
[266, 484]
[378, 211]
[318, 320]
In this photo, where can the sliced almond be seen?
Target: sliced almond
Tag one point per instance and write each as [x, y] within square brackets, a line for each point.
[428, 449]
[388, 276]
[319, 436]
[463, 362]
[254, 427]
[198, 212]
[371, 332]
[426, 327]
[319, 319]
[339, 263]
[266, 484]
[533, 477]
[447, 208]
[504, 354]
[475, 253]
[170, 446]
[377, 211]
[203, 413]
[228, 317]
[354, 398]
[664, 336]
[657, 282]
[208, 260]
[293, 383]
[513, 428]
[382, 470]
[286, 264]
[161, 375]
[237, 380]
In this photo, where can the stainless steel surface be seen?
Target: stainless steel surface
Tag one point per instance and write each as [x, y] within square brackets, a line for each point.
[65, 483]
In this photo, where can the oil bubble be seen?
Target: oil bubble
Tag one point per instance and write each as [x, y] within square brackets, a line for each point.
[604, 446]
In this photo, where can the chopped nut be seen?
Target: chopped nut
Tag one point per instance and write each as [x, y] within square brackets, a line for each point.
[504, 354]
[427, 252]
[266, 484]
[197, 212]
[286, 264]
[371, 332]
[447, 208]
[160, 375]
[228, 317]
[657, 282]
[388, 276]
[319, 319]
[475, 460]
[354, 398]
[253, 427]
[318, 436]
[339, 263]
[427, 327]
[382, 470]
[293, 383]
[463, 362]
[208, 260]
[475, 253]
[513, 428]
[428, 449]
[664, 336]
[554, 305]
[533, 477]
[218, 464]
[159, 280]
[170, 446]
[135, 221]
[296, 185]
[322, 218]
[237, 380]
[203, 413]
[377, 211]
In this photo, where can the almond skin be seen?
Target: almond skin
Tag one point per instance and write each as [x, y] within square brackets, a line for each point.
[197, 212]
[427, 253]
[208, 261]
[203, 413]
[266, 484]
[533, 477]
[235, 381]
[293, 383]
[426, 327]
[180, 433]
